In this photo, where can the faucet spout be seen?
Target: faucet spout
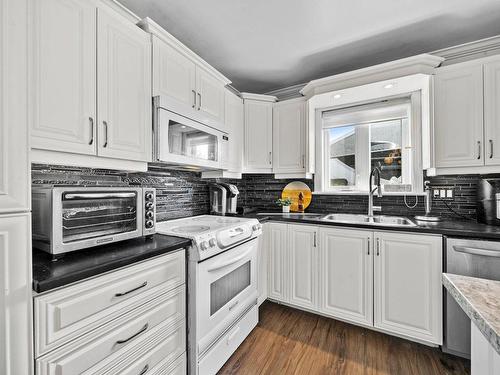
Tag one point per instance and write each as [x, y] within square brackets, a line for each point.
[375, 172]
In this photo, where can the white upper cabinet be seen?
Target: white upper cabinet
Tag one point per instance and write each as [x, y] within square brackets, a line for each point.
[174, 75]
[408, 289]
[124, 89]
[210, 95]
[258, 148]
[346, 274]
[303, 262]
[458, 116]
[234, 127]
[14, 159]
[492, 112]
[63, 110]
[289, 136]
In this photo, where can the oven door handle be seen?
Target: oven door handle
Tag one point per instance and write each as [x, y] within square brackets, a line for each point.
[71, 196]
[220, 265]
[477, 251]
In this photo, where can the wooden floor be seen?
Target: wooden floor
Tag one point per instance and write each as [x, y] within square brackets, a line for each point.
[289, 341]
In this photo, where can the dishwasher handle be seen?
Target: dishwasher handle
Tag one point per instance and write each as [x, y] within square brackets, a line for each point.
[477, 251]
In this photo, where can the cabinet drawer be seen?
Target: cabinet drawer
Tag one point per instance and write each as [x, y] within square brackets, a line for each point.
[215, 358]
[65, 314]
[160, 328]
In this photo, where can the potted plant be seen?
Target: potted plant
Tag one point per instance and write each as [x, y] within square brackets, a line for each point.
[285, 203]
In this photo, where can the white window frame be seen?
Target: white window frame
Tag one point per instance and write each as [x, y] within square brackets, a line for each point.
[413, 150]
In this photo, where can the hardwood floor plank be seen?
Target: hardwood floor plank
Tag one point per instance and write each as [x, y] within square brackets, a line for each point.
[290, 341]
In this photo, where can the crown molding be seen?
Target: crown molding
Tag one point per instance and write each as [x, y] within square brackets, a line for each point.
[470, 51]
[119, 8]
[260, 97]
[424, 64]
[286, 93]
[150, 26]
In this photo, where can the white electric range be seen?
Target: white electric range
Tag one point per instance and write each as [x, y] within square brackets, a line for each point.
[222, 285]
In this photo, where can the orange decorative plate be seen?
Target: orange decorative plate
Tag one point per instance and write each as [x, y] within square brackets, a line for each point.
[292, 191]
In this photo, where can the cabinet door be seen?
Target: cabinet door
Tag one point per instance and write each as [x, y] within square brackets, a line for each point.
[234, 126]
[63, 81]
[408, 290]
[263, 255]
[278, 270]
[210, 95]
[492, 112]
[124, 86]
[289, 137]
[458, 116]
[174, 75]
[303, 262]
[14, 158]
[346, 274]
[258, 136]
[16, 341]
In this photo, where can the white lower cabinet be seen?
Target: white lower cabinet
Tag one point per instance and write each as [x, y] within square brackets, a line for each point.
[303, 265]
[390, 281]
[142, 328]
[278, 271]
[408, 289]
[346, 274]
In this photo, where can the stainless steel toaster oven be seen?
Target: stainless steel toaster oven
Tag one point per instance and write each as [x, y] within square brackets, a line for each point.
[72, 218]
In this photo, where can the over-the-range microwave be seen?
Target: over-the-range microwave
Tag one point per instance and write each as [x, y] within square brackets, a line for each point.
[186, 141]
[77, 217]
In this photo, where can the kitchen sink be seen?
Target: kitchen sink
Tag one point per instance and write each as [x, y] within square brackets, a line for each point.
[291, 214]
[381, 220]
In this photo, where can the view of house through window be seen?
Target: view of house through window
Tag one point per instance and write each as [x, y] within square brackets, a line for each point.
[356, 142]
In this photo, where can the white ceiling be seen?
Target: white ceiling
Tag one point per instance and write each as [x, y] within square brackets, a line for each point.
[263, 45]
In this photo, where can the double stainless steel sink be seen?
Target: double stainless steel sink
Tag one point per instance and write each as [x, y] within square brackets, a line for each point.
[376, 220]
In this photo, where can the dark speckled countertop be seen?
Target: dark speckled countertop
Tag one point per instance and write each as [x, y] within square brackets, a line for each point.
[78, 265]
[447, 227]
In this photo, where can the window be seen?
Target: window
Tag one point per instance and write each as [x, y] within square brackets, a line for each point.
[357, 139]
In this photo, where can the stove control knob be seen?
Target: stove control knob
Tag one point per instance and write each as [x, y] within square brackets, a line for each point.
[149, 224]
[149, 205]
[149, 214]
[204, 246]
[212, 242]
[149, 196]
[256, 227]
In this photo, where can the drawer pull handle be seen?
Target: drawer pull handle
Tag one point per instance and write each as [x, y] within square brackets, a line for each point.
[131, 290]
[144, 370]
[142, 330]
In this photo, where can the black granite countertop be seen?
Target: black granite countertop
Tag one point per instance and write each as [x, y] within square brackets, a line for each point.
[447, 227]
[78, 265]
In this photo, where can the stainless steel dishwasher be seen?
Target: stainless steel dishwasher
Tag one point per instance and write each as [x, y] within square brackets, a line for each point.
[476, 258]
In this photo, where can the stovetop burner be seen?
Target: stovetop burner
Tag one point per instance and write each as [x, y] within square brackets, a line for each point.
[191, 229]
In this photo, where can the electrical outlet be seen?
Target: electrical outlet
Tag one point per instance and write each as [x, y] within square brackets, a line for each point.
[436, 193]
[442, 193]
[449, 193]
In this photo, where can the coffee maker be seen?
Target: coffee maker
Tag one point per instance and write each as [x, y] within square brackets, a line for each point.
[223, 198]
[488, 201]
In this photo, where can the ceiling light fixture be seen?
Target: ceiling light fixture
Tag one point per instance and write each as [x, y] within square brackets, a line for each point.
[389, 86]
[336, 96]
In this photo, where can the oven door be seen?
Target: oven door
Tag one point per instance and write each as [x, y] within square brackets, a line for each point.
[227, 287]
[182, 141]
[87, 217]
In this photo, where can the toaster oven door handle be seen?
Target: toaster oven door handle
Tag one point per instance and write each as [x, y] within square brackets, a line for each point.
[73, 196]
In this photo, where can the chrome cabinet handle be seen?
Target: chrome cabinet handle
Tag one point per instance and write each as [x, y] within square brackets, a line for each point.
[131, 290]
[303, 161]
[142, 330]
[314, 241]
[199, 101]
[105, 134]
[491, 148]
[270, 158]
[91, 122]
[194, 98]
[144, 370]
[368, 246]
[378, 246]
[478, 150]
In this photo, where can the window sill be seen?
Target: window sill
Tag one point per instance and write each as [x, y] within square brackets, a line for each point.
[357, 192]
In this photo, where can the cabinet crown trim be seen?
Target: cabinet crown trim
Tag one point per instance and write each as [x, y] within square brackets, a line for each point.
[260, 97]
[150, 26]
[424, 63]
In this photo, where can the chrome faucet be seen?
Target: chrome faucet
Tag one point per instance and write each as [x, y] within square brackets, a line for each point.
[375, 172]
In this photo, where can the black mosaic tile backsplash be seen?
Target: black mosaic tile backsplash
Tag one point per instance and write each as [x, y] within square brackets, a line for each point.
[181, 194]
